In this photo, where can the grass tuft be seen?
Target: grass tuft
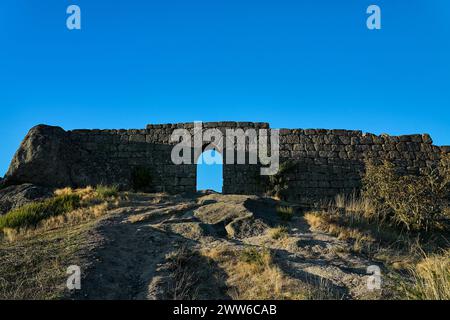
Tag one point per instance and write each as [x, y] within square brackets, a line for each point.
[257, 258]
[106, 192]
[285, 213]
[253, 275]
[278, 232]
[31, 214]
[431, 278]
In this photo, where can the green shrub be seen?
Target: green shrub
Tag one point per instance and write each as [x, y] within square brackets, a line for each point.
[141, 179]
[415, 203]
[105, 192]
[31, 214]
[277, 185]
[443, 172]
[258, 258]
[285, 213]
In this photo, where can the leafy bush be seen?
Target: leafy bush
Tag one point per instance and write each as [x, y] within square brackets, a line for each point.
[277, 184]
[141, 179]
[105, 192]
[31, 214]
[416, 203]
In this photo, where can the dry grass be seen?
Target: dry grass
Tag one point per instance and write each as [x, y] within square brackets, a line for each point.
[355, 218]
[34, 259]
[31, 214]
[329, 224]
[76, 217]
[359, 209]
[253, 275]
[35, 268]
[91, 207]
[184, 282]
[192, 276]
[431, 278]
[67, 220]
[90, 194]
[378, 242]
[352, 219]
[396, 251]
[278, 232]
[159, 198]
[107, 192]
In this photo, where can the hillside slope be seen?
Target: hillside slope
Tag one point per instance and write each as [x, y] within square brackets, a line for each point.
[172, 247]
[205, 246]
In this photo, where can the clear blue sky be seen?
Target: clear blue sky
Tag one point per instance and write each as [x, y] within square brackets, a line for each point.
[305, 64]
[210, 171]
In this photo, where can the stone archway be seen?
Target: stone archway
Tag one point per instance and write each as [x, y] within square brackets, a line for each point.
[210, 170]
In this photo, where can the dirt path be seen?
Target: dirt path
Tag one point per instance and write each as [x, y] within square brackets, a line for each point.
[133, 261]
[130, 252]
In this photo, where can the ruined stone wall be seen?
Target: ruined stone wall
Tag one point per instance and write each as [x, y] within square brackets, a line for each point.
[50, 156]
[327, 162]
[114, 154]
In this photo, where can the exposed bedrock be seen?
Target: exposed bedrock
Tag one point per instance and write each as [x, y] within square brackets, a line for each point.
[13, 197]
[43, 158]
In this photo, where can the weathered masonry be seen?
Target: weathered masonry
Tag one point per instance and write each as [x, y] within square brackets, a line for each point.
[326, 162]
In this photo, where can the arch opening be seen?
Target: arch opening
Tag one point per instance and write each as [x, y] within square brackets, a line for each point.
[210, 171]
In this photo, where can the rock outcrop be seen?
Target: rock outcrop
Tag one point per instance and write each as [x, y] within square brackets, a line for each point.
[42, 159]
[16, 196]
